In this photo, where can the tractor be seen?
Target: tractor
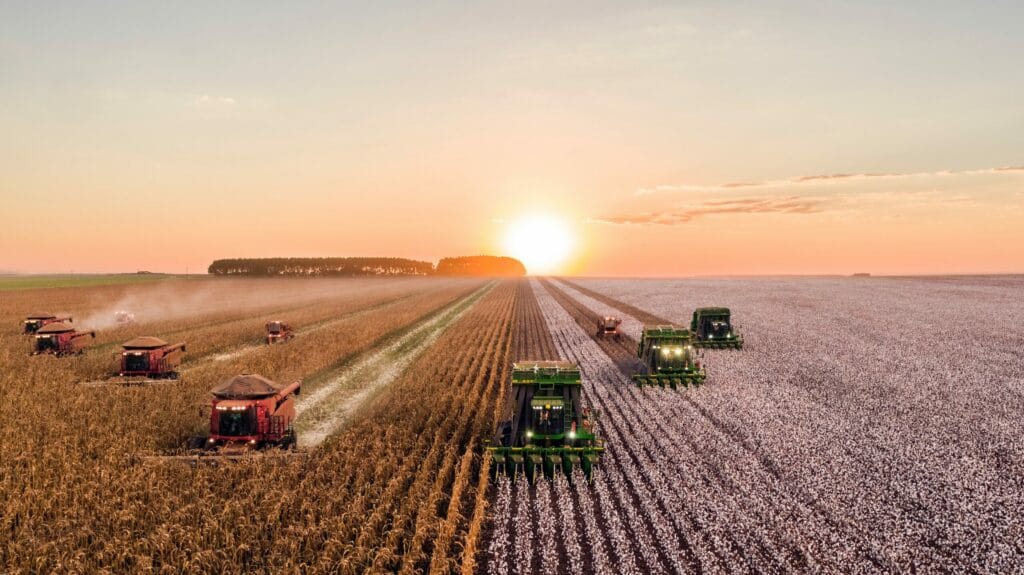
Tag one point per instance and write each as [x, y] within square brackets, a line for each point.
[150, 358]
[249, 412]
[668, 358]
[60, 339]
[124, 318]
[711, 327]
[278, 331]
[34, 323]
[550, 430]
[608, 326]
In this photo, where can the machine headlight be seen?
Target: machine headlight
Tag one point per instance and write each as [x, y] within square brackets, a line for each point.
[529, 433]
[711, 336]
[572, 435]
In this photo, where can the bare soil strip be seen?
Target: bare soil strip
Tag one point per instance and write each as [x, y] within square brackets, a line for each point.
[334, 399]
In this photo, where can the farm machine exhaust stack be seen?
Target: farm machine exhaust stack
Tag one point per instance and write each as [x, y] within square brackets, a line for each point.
[712, 327]
[278, 331]
[34, 323]
[249, 415]
[60, 339]
[550, 431]
[668, 358]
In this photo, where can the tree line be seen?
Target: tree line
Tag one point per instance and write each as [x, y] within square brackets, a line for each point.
[363, 266]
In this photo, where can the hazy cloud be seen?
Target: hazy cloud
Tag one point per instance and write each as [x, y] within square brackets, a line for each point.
[685, 214]
[824, 178]
[207, 99]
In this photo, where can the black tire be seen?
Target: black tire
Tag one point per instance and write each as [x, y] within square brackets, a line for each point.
[196, 443]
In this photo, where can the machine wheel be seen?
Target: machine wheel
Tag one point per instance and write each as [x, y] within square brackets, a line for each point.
[195, 443]
[290, 441]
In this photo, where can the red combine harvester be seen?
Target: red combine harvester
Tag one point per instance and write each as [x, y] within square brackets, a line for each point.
[151, 358]
[34, 323]
[278, 331]
[60, 339]
[608, 326]
[249, 415]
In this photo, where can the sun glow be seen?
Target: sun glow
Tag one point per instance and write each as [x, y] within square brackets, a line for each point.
[542, 242]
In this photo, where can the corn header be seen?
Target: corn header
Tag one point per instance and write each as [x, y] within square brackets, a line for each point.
[550, 430]
[712, 327]
[669, 358]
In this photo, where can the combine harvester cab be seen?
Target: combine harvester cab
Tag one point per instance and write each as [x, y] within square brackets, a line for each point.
[278, 331]
[60, 339]
[550, 431]
[151, 359]
[712, 328]
[34, 323]
[608, 326]
[668, 358]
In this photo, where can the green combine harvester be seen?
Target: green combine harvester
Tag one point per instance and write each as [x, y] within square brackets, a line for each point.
[550, 431]
[711, 327]
[668, 358]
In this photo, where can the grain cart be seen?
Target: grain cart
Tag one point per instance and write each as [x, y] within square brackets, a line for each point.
[278, 331]
[711, 327]
[34, 323]
[151, 359]
[668, 358]
[60, 339]
[608, 326]
[550, 430]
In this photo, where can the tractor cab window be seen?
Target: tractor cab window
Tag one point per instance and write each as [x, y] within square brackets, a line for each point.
[547, 416]
[237, 422]
[136, 361]
[32, 325]
[274, 327]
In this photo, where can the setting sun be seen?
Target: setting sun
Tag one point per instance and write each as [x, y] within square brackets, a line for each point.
[542, 242]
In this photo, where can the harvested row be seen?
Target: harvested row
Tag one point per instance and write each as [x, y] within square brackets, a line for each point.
[886, 443]
[402, 505]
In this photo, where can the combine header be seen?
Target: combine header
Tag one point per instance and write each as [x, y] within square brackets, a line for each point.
[550, 431]
[712, 328]
[608, 326]
[34, 323]
[60, 339]
[249, 415]
[278, 331]
[668, 358]
[150, 358]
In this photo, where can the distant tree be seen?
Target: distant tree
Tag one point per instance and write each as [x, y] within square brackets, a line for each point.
[320, 267]
[481, 266]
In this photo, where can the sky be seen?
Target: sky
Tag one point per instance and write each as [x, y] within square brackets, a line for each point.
[669, 138]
